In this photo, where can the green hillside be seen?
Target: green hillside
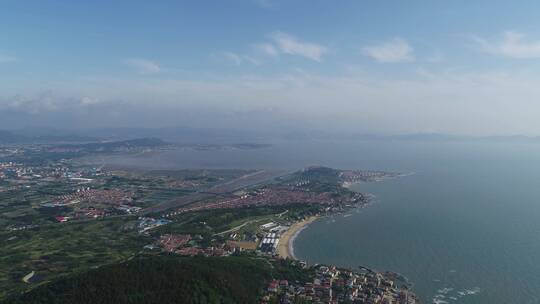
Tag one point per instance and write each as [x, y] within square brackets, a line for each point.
[159, 279]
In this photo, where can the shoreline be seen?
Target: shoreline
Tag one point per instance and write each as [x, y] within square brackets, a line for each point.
[286, 242]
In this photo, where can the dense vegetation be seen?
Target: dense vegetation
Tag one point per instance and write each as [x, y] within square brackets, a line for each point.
[161, 279]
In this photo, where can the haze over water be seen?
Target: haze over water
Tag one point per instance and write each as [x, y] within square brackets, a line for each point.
[465, 226]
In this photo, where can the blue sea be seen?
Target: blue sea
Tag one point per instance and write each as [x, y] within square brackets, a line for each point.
[464, 227]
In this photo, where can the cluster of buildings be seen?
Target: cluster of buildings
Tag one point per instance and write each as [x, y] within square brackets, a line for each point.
[93, 200]
[269, 243]
[263, 197]
[17, 171]
[171, 242]
[274, 227]
[128, 209]
[59, 170]
[208, 251]
[352, 176]
[149, 223]
[183, 244]
[109, 197]
[331, 285]
[83, 202]
[88, 212]
[328, 284]
[6, 151]
[265, 243]
[91, 212]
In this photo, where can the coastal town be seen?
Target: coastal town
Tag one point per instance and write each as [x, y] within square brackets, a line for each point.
[197, 213]
[328, 284]
[333, 285]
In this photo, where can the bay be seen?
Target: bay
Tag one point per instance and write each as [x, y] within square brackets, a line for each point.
[464, 228]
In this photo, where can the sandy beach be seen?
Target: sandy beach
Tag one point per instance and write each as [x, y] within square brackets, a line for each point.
[286, 240]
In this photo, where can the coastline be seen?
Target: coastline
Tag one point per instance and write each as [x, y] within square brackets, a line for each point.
[285, 246]
[286, 243]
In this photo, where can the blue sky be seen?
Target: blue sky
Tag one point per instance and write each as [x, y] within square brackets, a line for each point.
[464, 67]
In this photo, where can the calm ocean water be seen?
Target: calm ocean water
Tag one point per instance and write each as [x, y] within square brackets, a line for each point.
[465, 228]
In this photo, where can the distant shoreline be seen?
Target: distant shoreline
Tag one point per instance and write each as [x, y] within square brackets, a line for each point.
[286, 242]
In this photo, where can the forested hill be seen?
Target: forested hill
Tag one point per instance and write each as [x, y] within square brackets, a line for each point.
[161, 279]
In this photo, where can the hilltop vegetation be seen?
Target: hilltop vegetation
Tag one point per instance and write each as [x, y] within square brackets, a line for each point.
[160, 279]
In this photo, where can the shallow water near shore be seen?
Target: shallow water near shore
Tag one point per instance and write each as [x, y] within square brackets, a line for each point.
[465, 228]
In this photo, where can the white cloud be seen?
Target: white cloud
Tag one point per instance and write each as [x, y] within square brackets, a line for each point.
[85, 100]
[395, 50]
[233, 58]
[143, 66]
[288, 44]
[238, 59]
[512, 44]
[7, 59]
[267, 49]
[455, 101]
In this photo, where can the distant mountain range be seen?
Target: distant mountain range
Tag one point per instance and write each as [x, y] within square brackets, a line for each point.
[115, 145]
[435, 137]
[10, 137]
[177, 135]
[227, 136]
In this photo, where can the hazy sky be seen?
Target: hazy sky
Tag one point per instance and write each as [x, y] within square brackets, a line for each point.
[464, 67]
